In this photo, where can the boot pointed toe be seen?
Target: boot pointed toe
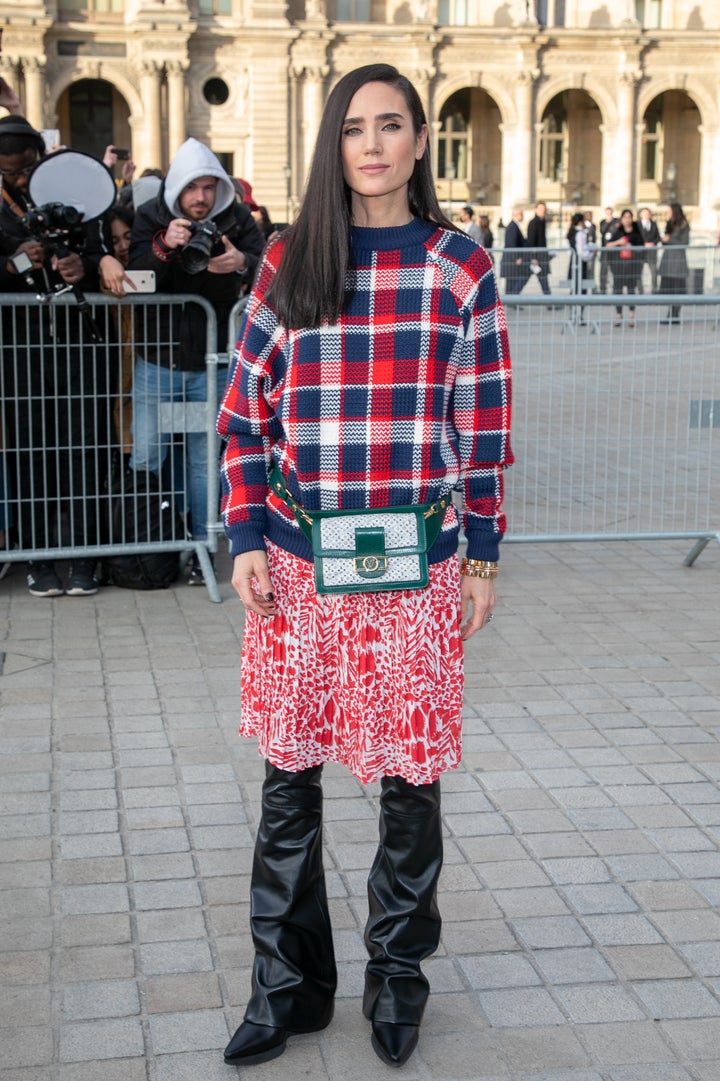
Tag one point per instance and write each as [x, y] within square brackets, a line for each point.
[255, 1043]
[394, 1043]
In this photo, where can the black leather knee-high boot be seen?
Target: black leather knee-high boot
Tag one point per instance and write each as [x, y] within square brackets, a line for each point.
[404, 923]
[294, 975]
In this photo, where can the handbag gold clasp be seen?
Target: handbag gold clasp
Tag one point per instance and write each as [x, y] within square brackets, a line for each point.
[370, 564]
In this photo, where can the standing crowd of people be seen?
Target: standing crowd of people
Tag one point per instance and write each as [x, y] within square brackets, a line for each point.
[614, 265]
[199, 232]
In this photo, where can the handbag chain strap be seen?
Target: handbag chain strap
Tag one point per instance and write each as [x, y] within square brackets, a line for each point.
[433, 513]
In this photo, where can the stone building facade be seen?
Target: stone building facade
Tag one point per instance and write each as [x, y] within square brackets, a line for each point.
[579, 102]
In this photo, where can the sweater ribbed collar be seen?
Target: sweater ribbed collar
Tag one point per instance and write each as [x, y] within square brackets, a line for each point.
[392, 238]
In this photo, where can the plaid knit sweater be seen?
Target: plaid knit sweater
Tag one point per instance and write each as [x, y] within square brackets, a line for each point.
[406, 397]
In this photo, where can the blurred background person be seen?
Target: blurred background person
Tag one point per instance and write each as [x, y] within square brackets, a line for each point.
[537, 243]
[651, 238]
[628, 242]
[469, 225]
[673, 263]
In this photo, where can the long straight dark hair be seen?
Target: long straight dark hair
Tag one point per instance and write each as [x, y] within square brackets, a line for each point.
[311, 281]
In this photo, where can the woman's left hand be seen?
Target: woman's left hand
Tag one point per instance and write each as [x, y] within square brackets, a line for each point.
[478, 601]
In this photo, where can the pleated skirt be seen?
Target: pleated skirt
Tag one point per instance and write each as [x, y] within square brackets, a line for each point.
[371, 680]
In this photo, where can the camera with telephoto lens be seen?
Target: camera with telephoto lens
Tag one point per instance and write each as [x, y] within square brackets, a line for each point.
[53, 224]
[198, 251]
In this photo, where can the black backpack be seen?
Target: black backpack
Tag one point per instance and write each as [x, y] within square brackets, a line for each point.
[140, 512]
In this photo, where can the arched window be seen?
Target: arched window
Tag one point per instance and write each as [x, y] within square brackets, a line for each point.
[453, 138]
[652, 149]
[552, 152]
[649, 14]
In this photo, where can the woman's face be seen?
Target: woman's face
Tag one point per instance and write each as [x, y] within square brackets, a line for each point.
[379, 149]
[627, 220]
[121, 240]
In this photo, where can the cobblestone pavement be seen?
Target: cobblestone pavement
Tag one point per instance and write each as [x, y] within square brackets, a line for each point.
[581, 888]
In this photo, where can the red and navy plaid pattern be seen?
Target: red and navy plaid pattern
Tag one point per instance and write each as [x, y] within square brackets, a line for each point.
[402, 400]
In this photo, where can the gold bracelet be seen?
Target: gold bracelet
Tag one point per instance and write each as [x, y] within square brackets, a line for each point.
[478, 568]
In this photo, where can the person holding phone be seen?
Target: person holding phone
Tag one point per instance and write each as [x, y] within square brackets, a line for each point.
[372, 373]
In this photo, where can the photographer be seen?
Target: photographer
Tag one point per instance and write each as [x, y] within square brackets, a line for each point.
[198, 240]
[53, 380]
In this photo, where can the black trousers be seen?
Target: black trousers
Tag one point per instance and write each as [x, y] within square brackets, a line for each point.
[294, 973]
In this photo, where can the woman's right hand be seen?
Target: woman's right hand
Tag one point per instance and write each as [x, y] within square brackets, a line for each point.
[249, 567]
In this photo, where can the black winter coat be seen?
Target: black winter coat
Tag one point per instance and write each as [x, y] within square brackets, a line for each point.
[162, 337]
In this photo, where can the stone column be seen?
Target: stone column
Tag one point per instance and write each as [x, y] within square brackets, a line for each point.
[619, 147]
[517, 147]
[34, 72]
[312, 105]
[708, 196]
[176, 104]
[150, 86]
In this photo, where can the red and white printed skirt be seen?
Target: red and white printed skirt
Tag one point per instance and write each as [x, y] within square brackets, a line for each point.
[372, 680]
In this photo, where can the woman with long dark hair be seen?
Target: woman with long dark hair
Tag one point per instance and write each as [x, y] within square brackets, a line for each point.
[627, 270]
[673, 262]
[372, 378]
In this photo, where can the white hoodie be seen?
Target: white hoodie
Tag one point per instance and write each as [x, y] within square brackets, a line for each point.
[194, 160]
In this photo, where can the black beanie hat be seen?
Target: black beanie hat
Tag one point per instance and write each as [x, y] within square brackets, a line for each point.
[20, 128]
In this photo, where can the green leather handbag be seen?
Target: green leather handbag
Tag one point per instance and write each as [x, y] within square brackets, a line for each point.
[367, 551]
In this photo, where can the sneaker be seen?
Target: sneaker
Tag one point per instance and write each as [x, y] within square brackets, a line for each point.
[81, 579]
[195, 574]
[43, 581]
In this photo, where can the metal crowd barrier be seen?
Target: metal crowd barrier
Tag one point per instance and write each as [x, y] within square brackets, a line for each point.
[66, 440]
[616, 428]
[703, 268]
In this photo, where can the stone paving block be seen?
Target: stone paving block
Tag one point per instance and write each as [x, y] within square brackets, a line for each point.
[625, 1043]
[677, 998]
[147, 818]
[24, 967]
[81, 1041]
[85, 963]
[160, 796]
[104, 998]
[529, 1051]
[576, 871]
[603, 897]
[186, 923]
[601, 1002]
[558, 845]
[511, 873]
[24, 1006]
[600, 818]
[550, 931]
[646, 962]
[653, 1072]
[33, 932]
[693, 925]
[26, 1046]
[498, 970]
[662, 896]
[175, 994]
[641, 867]
[621, 930]
[30, 902]
[77, 900]
[193, 1030]
[167, 895]
[471, 1057]
[152, 841]
[526, 1006]
[703, 957]
[95, 930]
[161, 866]
[161, 958]
[695, 1039]
[533, 901]
[486, 936]
[90, 845]
[572, 965]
